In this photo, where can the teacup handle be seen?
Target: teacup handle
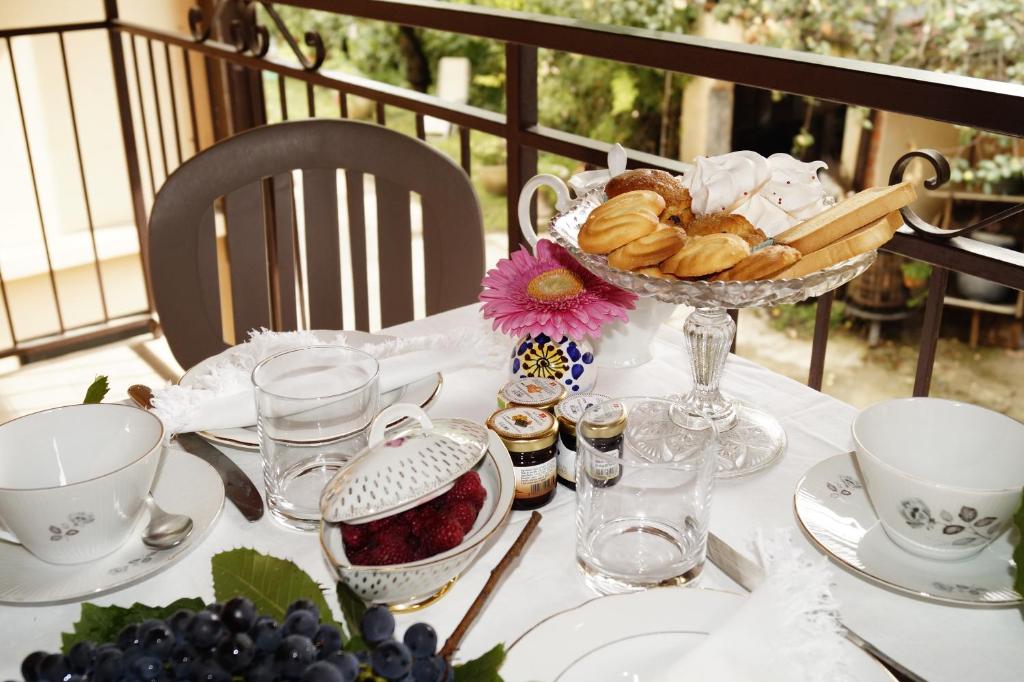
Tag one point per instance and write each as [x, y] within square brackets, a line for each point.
[392, 414]
[6, 535]
[562, 201]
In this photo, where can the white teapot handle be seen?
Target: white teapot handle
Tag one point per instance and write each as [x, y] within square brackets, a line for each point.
[392, 414]
[562, 201]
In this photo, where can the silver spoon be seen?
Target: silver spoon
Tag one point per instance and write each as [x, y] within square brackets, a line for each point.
[165, 530]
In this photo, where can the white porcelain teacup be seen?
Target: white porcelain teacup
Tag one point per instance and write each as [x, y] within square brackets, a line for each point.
[944, 477]
[74, 479]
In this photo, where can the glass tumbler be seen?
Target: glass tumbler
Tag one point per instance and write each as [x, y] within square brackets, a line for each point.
[314, 406]
[645, 473]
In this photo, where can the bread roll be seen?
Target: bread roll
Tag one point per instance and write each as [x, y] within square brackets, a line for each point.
[865, 239]
[847, 216]
[714, 223]
[677, 197]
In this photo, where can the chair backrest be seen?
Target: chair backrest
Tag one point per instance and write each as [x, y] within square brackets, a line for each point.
[252, 172]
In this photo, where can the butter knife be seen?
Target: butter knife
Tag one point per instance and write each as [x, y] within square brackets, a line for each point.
[748, 575]
[238, 488]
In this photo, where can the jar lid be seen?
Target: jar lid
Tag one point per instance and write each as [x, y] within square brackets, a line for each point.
[524, 429]
[419, 461]
[531, 392]
[605, 420]
[569, 411]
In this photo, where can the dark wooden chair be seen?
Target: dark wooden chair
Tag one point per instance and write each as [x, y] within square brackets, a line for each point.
[252, 173]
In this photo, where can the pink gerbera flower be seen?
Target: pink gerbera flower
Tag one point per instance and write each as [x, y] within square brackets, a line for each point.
[550, 293]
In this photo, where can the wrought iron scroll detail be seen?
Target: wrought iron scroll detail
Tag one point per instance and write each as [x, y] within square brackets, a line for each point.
[248, 35]
[941, 167]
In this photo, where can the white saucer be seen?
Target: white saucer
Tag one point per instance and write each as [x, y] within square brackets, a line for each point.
[636, 637]
[834, 510]
[185, 485]
[422, 392]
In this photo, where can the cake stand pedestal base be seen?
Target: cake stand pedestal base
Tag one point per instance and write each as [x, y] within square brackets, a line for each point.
[750, 438]
[754, 441]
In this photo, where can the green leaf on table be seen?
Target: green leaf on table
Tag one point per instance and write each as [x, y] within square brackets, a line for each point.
[1018, 551]
[97, 390]
[482, 669]
[102, 624]
[271, 583]
[352, 610]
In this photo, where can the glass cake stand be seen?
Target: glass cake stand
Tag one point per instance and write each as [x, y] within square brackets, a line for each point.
[751, 439]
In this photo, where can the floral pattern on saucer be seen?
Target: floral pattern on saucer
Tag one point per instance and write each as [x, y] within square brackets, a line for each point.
[967, 524]
[839, 519]
[186, 484]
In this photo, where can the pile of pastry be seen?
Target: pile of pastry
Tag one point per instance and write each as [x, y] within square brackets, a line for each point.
[647, 226]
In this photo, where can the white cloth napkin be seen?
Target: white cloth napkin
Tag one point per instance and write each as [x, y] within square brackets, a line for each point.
[787, 631]
[220, 395]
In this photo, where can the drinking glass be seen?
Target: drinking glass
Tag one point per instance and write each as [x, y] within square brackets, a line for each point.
[314, 406]
[644, 478]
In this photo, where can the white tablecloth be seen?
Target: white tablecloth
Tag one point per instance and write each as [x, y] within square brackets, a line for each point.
[938, 642]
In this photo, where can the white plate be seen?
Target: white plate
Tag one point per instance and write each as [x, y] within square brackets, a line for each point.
[422, 392]
[636, 637]
[834, 510]
[185, 485]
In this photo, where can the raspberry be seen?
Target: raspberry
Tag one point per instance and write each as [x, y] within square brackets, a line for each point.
[468, 488]
[391, 550]
[358, 557]
[420, 523]
[354, 536]
[464, 514]
[445, 535]
[380, 525]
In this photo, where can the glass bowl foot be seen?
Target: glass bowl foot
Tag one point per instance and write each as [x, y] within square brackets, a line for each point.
[755, 440]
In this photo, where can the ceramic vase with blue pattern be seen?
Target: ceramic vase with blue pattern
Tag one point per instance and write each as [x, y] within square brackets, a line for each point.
[569, 361]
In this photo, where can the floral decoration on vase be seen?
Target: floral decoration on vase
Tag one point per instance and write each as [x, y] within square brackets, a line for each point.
[550, 304]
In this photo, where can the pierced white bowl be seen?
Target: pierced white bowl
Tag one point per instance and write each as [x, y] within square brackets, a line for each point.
[409, 586]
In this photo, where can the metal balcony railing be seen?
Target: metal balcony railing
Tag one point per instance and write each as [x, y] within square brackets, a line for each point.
[237, 90]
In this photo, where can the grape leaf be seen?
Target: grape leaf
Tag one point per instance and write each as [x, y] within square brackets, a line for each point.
[352, 610]
[271, 583]
[102, 624]
[1018, 551]
[97, 390]
[482, 669]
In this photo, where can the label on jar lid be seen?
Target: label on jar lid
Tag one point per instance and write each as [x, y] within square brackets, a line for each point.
[605, 421]
[521, 423]
[572, 408]
[532, 391]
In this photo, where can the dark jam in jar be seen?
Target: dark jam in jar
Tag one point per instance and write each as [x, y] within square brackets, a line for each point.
[568, 412]
[531, 436]
[603, 430]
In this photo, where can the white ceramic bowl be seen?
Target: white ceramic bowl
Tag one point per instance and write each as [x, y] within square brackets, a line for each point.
[412, 585]
[74, 479]
[944, 477]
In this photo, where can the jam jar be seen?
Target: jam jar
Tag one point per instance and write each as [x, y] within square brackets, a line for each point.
[568, 412]
[537, 392]
[530, 434]
[603, 428]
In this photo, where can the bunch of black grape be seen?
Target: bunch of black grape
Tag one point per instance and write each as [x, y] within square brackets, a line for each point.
[229, 641]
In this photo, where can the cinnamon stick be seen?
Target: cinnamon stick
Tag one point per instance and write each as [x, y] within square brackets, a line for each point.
[511, 555]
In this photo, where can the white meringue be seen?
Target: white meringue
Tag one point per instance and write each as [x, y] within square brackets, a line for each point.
[773, 194]
[721, 183]
[795, 187]
[766, 216]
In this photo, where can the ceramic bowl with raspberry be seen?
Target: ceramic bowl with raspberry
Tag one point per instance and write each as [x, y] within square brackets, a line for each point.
[410, 513]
